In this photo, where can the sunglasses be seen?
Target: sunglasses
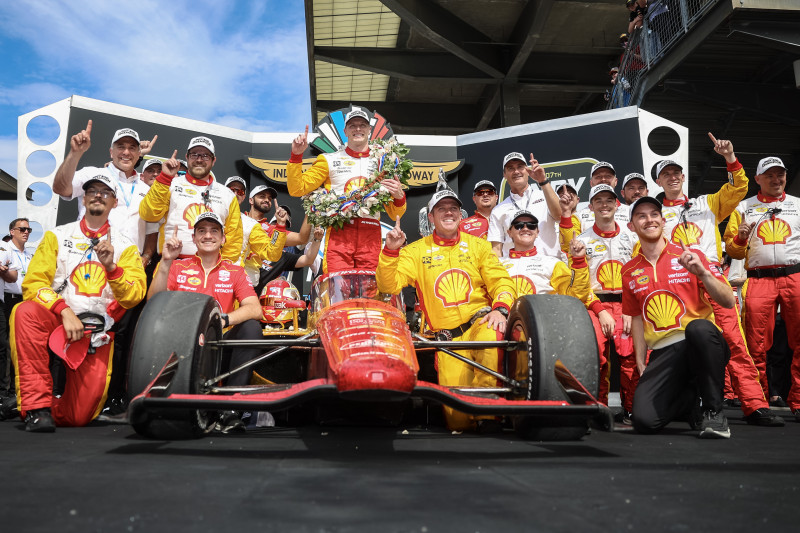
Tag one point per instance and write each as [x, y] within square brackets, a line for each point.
[24, 230]
[520, 225]
[485, 192]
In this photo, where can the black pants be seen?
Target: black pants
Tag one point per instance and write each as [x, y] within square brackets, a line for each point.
[247, 330]
[677, 374]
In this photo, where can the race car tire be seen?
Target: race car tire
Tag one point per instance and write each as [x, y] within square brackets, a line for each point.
[556, 330]
[183, 323]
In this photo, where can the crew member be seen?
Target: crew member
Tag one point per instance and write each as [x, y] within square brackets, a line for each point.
[764, 231]
[82, 267]
[602, 173]
[439, 265]
[634, 186]
[485, 199]
[665, 290]
[181, 199]
[695, 222]
[540, 200]
[357, 244]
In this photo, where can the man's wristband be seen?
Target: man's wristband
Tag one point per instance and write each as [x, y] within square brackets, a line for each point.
[543, 183]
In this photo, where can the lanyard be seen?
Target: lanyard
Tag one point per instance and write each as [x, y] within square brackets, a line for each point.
[126, 197]
[23, 259]
[526, 204]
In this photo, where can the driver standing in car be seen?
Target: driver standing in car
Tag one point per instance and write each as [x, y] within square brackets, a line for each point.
[466, 294]
[82, 267]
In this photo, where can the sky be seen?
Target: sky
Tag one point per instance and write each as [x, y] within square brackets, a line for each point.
[237, 63]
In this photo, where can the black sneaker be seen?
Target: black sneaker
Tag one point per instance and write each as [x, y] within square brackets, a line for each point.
[777, 401]
[714, 426]
[626, 418]
[230, 422]
[40, 421]
[8, 408]
[764, 417]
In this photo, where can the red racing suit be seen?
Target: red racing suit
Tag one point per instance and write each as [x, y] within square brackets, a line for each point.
[606, 253]
[227, 283]
[181, 199]
[454, 279]
[64, 272]
[696, 223]
[477, 225]
[772, 256]
[358, 243]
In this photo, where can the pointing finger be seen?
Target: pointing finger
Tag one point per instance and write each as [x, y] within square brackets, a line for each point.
[108, 236]
[174, 154]
[175, 232]
[710, 136]
[155, 137]
[89, 127]
[397, 222]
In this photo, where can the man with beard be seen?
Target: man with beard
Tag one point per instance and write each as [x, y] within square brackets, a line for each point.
[666, 289]
[181, 199]
[485, 198]
[634, 187]
[87, 266]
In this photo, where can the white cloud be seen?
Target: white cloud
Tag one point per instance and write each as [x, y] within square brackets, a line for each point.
[204, 60]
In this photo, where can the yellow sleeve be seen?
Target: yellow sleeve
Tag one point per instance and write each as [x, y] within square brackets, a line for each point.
[155, 204]
[724, 201]
[38, 282]
[128, 282]
[574, 281]
[395, 211]
[396, 270]
[734, 248]
[566, 228]
[267, 248]
[234, 235]
[498, 283]
[300, 183]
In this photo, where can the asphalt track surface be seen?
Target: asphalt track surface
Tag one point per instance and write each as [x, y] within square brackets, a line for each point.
[341, 479]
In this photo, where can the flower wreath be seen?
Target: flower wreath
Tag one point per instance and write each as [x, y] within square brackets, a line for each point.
[326, 208]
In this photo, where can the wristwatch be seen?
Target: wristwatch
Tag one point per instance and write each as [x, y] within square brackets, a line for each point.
[226, 321]
[545, 182]
[502, 310]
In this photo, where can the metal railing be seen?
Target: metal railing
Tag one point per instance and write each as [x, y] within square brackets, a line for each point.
[665, 23]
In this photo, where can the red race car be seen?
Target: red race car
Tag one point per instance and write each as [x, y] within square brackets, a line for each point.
[358, 350]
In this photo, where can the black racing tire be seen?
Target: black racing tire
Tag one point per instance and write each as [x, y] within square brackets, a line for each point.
[555, 330]
[184, 323]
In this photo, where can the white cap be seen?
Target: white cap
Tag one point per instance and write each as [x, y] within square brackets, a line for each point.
[633, 176]
[205, 142]
[441, 195]
[597, 189]
[356, 112]
[262, 188]
[522, 213]
[484, 183]
[512, 156]
[102, 178]
[125, 132]
[208, 215]
[767, 163]
[666, 163]
[150, 163]
[237, 179]
[603, 164]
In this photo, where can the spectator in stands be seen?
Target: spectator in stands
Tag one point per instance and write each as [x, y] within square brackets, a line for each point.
[485, 198]
[541, 200]
[765, 231]
[638, 9]
[182, 198]
[238, 302]
[85, 267]
[665, 290]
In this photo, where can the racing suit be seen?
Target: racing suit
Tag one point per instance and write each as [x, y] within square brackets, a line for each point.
[772, 260]
[695, 223]
[65, 272]
[477, 225]
[688, 351]
[358, 243]
[606, 252]
[181, 199]
[258, 247]
[454, 278]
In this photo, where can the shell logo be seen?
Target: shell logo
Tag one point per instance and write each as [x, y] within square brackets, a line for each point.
[524, 285]
[46, 295]
[774, 231]
[354, 184]
[191, 213]
[609, 275]
[687, 234]
[89, 279]
[664, 310]
[453, 287]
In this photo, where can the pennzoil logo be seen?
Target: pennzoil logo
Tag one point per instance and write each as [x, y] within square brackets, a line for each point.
[609, 275]
[688, 233]
[194, 281]
[88, 279]
[774, 231]
[641, 280]
[331, 138]
[664, 310]
[524, 285]
[193, 211]
[453, 287]
[82, 246]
